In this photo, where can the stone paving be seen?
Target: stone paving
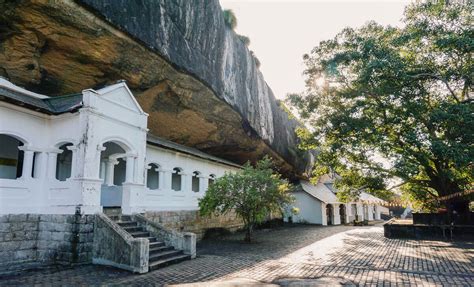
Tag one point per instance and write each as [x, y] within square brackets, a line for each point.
[341, 254]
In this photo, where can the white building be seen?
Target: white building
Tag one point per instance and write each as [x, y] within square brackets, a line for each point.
[90, 150]
[318, 204]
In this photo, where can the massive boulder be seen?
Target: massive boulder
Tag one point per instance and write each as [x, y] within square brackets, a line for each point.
[191, 73]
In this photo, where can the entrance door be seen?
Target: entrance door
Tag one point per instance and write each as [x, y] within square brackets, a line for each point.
[329, 214]
[111, 196]
[342, 212]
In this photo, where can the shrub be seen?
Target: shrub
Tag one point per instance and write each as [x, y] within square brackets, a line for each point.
[229, 18]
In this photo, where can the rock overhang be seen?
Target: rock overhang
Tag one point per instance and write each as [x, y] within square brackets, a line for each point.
[211, 97]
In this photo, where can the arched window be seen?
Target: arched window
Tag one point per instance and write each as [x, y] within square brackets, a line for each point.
[11, 158]
[176, 179]
[153, 176]
[211, 179]
[195, 181]
[64, 163]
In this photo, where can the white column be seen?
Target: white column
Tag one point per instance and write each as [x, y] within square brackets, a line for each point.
[186, 181]
[40, 165]
[165, 177]
[103, 168]
[162, 179]
[129, 172]
[377, 213]
[27, 164]
[52, 161]
[337, 217]
[73, 149]
[324, 220]
[109, 171]
[360, 211]
[347, 206]
[203, 184]
[147, 168]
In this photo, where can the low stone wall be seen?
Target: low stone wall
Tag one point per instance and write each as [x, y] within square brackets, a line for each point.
[394, 229]
[45, 239]
[191, 221]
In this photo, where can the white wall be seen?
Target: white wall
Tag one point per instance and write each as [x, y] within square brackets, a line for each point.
[110, 115]
[164, 198]
[310, 209]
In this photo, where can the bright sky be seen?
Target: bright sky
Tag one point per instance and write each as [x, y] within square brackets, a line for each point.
[281, 31]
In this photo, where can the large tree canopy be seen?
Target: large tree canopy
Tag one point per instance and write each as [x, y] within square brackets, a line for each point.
[393, 106]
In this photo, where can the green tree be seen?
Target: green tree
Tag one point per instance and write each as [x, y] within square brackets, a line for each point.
[394, 106]
[253, 193]
[229, 18]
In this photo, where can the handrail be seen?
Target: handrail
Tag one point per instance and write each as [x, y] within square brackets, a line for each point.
[109, 237]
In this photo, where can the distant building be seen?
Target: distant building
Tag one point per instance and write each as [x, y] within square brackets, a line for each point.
[318, 204]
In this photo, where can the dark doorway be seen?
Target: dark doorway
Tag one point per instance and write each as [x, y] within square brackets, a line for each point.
[329, 214]
[342, 213]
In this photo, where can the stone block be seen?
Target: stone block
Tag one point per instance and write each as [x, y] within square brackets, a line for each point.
[6, 256]
[33, 217]
[4, 227]
[57, 236]
[46, 226]
[10, 245]
[17, 217]
[89, 227]
[24, 255]
[46, 217]
[28, 244]
[84, 257]
[30, 235]
[69, 236]
[44, 235]
[30, 226]
[58, 218]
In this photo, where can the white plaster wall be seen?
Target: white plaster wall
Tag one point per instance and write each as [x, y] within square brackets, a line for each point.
[310, 209]
[40, 134]
[164, 198]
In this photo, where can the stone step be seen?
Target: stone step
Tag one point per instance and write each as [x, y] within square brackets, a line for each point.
[130, 229]
[167, 261]
[155, 243]
[127, 223]
[158, 249]
[120, 218]
[112, 211]
[164, 254]
[140, 234]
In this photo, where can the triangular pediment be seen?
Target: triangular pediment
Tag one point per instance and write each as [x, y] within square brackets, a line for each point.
[121, 95]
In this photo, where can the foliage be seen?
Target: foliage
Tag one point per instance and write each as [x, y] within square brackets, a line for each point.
[244, 39]
[394, 105]
[253, 193]
[229, 18]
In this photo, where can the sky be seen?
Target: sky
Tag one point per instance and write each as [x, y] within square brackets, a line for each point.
[282, 31]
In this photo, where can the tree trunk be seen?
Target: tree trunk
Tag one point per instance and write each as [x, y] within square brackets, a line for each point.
[248, 233]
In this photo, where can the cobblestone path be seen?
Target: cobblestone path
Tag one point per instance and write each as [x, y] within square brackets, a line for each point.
[348, 255]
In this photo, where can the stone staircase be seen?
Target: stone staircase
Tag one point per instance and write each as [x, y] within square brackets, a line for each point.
[160, 254]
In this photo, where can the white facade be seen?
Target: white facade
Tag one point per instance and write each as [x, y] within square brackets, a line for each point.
[318, 204]
[91, 156]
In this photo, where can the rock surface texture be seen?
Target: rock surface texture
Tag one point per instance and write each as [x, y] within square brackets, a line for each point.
[191, 73]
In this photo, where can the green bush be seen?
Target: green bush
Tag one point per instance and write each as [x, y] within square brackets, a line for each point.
[253, 193]
[229, 18]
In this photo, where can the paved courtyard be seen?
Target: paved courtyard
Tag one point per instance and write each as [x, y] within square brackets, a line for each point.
[340, 254]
